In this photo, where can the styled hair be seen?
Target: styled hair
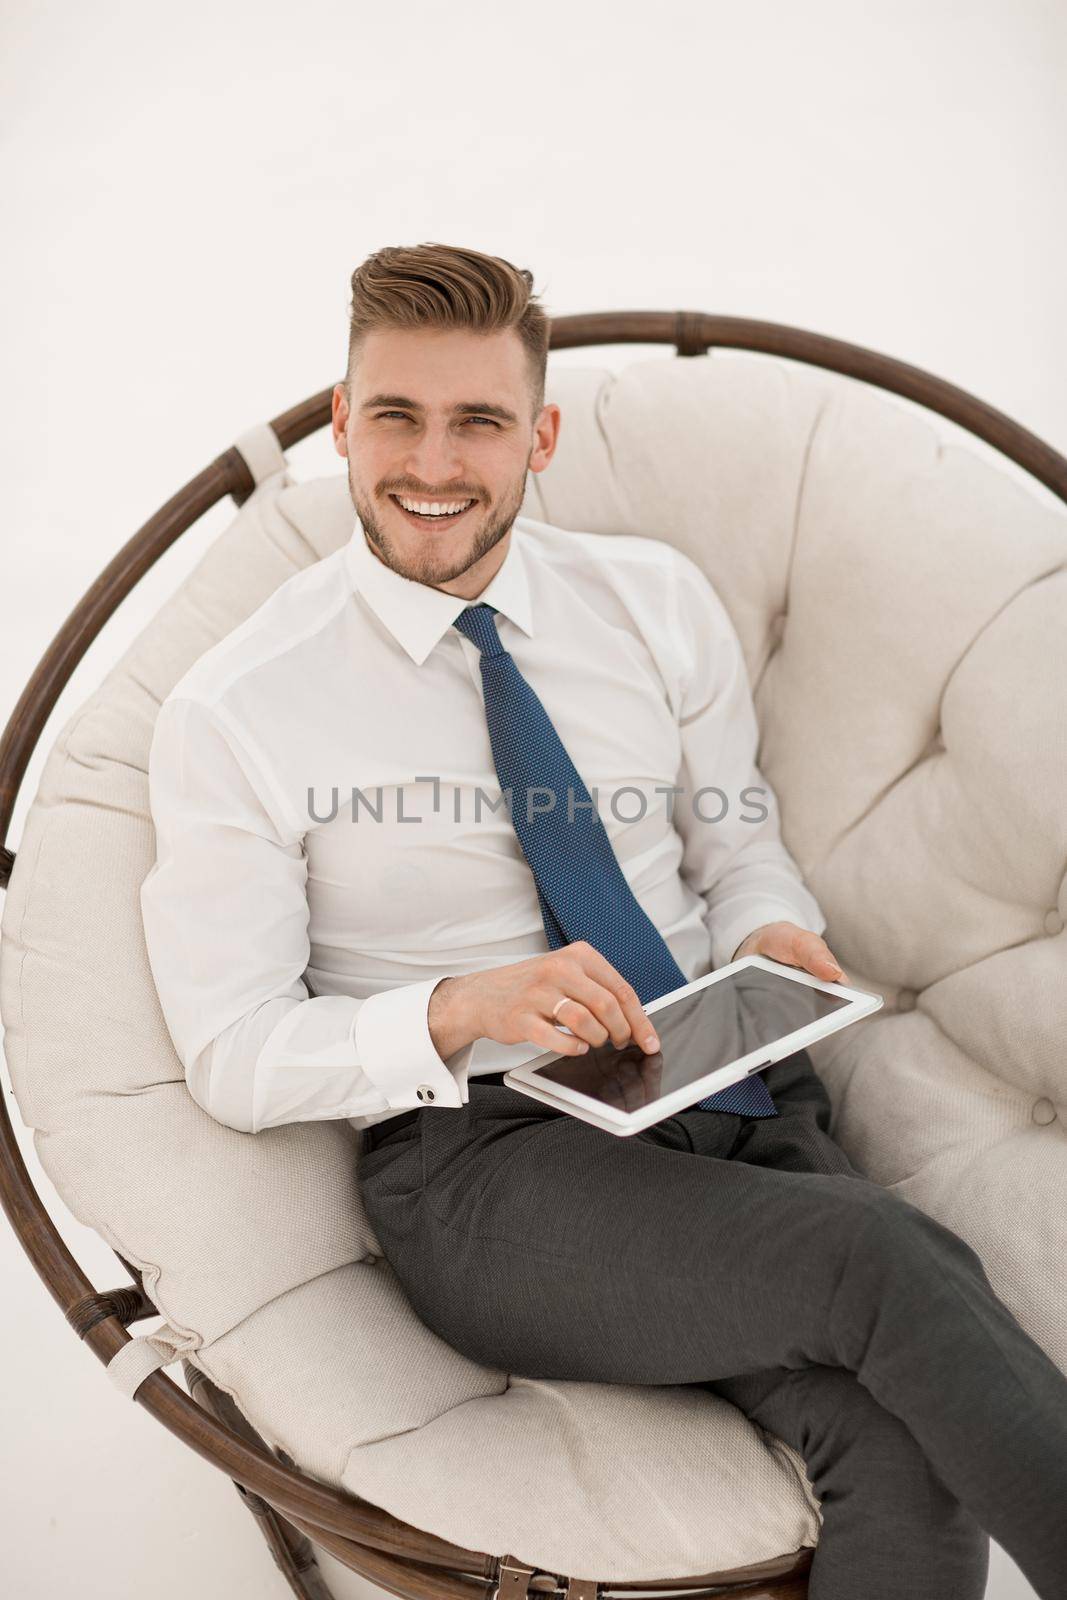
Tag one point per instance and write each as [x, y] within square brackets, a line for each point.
[445, 286]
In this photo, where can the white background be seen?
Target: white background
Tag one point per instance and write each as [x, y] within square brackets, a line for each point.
[186, 192]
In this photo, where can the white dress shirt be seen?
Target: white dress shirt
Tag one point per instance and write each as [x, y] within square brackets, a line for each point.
[295, 934]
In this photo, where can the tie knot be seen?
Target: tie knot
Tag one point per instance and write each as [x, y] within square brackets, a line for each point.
[478, 624]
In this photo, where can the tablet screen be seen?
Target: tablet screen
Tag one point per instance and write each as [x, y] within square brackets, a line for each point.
[698, 1033]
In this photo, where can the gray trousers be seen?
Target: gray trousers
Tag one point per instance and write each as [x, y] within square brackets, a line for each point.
[749, 1256]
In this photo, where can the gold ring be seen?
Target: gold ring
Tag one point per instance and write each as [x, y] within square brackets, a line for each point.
[562, 1001]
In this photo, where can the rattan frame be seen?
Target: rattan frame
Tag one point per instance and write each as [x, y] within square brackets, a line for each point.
[291, 1507]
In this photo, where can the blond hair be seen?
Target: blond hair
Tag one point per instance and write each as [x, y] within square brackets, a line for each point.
[445, 286]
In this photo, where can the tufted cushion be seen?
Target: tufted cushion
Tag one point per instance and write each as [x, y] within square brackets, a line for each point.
[903, 608]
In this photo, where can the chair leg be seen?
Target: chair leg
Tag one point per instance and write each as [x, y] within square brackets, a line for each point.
[292, 1552]
[291, 1549]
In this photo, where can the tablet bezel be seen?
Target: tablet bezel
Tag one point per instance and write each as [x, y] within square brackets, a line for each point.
[861, 1004]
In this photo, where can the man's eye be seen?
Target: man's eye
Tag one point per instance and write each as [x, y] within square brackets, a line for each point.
[403, 414]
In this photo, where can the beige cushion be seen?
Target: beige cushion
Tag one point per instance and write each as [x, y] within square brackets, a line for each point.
[903, 608]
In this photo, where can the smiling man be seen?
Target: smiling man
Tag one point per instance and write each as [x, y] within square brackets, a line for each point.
[441, 425]
[454, 535]
[389, 969]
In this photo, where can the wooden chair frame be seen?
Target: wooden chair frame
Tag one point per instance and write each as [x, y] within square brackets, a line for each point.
[291, 1507]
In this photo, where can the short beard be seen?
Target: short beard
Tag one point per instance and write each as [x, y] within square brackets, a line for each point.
[430, 569]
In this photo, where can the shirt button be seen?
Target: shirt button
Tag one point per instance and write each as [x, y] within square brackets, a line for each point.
[1043, 1112]
[424, 1092]
[1053, 922]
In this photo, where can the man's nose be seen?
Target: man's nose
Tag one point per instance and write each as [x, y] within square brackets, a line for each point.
[435, 458]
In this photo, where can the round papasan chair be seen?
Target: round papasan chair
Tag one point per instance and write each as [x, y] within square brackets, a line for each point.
[899, 585]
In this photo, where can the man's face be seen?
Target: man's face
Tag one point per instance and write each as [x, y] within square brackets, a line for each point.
[441, 418]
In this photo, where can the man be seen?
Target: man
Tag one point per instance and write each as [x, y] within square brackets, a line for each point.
[387, 963]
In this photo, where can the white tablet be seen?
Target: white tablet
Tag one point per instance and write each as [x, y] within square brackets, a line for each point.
[740, 1019]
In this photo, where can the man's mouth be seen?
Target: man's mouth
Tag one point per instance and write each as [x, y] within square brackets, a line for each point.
[432, 518]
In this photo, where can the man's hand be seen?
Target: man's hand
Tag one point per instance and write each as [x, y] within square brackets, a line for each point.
[796, 947]
[519, 1001]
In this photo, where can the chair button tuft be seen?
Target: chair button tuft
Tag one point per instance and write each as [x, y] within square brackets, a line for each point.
[1053, 921]
[1043, 1112]
[906, 1000]
[424, 1092]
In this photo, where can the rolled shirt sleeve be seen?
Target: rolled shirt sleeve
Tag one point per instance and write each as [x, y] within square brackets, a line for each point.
[737, 864]
[225, 915]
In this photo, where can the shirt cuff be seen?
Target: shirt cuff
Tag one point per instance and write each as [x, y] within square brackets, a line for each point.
[394, 1048]
[726, 937]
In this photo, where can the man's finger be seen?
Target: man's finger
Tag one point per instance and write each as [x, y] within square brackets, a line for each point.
[801, 947]
[600, 968]
[820, 960]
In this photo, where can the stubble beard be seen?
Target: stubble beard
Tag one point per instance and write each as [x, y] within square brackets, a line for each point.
[429, 567]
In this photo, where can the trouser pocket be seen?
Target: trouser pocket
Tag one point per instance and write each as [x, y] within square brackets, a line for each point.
[391, 1168]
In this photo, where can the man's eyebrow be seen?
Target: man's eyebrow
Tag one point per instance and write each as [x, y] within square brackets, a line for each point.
[485, 408]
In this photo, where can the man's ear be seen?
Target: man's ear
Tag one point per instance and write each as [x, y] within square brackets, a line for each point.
[546, 437]
[340, 419]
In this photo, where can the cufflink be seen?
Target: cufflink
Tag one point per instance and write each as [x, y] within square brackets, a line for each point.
[424, 1092]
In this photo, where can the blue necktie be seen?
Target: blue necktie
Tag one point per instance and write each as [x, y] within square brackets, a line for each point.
[582, 889]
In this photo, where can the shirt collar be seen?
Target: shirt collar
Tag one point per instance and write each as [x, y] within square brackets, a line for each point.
[417, 615]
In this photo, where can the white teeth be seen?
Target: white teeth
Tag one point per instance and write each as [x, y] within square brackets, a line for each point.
[425, 509]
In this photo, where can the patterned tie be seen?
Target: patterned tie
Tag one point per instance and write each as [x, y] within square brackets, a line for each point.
[582, 890]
